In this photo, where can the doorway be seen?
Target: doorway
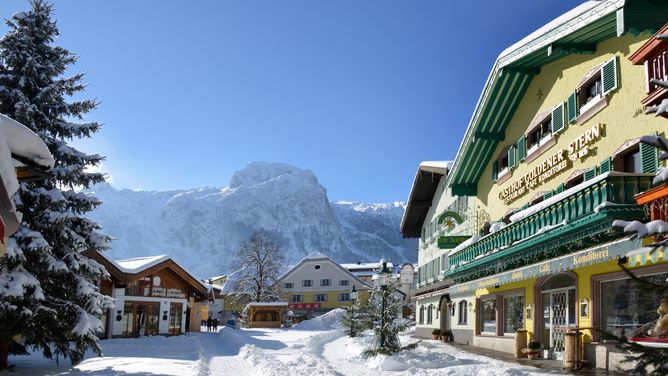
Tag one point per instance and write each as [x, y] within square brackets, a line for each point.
[140, 319]
[444, 309]
[175, 318]
[558, 312]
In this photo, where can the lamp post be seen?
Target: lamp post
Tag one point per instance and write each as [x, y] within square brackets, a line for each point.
[353, 297]
[382, 282]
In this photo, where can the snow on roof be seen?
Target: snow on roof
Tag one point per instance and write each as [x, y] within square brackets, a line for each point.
[365, 265]
[315, 255]
[232, 280]
[438, 167]
[17, 139]
[137, 264]
[24, 142]
[210, 287]
[267, 304]
[571, 14]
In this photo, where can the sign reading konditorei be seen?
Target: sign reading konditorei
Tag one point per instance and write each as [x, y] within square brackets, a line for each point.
[552, 165]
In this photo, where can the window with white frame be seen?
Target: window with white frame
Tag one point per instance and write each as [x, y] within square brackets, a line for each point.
[462, 312]
[430, 309]
[421, 320]
[288, 285]
[320, 297]
[297, 298]
[344, 297]
[325, 282]
[307, 283]
[344, 282]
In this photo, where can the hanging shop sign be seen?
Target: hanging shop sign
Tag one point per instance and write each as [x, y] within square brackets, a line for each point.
[552, 165]
[590, 256]
[449, 242]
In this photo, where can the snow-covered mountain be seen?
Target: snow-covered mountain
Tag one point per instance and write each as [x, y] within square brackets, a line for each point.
[202, 228]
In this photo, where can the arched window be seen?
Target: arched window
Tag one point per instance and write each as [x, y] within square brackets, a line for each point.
[463, 310]
[421, 315]
[430, 311]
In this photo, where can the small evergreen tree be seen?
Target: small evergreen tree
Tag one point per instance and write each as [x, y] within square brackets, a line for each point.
[356, 319]
[49, 299]
[385, 307]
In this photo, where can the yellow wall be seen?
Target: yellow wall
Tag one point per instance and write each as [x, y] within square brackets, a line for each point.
[557, 81]
[332, 298]
[527, 286]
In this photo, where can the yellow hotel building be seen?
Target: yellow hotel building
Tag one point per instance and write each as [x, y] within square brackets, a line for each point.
[550, 158]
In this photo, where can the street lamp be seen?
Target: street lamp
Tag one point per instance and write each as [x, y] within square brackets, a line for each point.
[382, 282]
[353, 297]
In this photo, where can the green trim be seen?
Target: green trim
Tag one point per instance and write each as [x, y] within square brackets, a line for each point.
[449, 242]
[452, 214]
[575, 218]
[572, 48]
[464, 189]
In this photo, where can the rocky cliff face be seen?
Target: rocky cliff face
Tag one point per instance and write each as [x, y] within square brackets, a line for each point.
[202, 228]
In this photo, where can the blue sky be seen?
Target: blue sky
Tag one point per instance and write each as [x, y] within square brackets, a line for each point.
[357, 91]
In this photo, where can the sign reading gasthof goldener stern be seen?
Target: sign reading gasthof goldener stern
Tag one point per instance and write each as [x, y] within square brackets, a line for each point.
[552, 165]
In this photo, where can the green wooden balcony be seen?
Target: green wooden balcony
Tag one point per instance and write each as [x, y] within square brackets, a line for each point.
[577, 218]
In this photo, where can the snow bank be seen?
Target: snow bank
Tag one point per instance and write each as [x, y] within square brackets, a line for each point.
[329, 321]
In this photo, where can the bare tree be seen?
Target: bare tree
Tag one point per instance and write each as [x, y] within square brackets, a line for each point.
[259, 260]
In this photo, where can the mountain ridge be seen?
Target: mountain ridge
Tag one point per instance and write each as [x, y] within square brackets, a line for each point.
[202, 228]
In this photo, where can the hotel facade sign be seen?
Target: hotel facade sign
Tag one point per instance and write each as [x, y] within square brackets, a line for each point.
[552, 165]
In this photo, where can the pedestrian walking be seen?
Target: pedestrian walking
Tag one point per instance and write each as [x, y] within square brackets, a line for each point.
[209, 323]
[215, 324]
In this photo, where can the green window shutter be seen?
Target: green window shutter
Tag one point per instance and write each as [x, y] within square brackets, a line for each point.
[558, 118]
[590, 174]
[649, 158]
[559, 189]
[547, 195]
[521, 148]
[511, 156]
[609, 75]
[495, 170]
[605, 166]
[573, 107]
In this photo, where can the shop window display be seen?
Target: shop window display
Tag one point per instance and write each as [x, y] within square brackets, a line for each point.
[513, 314]
[626, 307]
[488, 316]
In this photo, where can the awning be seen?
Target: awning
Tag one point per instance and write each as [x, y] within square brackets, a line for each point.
[646, 255]
[594, 255]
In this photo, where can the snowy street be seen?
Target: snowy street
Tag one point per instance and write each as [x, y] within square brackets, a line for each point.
[316, 347]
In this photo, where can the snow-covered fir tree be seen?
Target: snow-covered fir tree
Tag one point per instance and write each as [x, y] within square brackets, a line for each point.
[48, 289]
[385, 307]
[356, 319]
[259, 262]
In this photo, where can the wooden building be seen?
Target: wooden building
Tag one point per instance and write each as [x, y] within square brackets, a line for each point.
[154, 296]
[266, 314]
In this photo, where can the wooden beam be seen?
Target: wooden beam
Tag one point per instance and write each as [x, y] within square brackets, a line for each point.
[522, 70]
[489, 136]
[571, 48]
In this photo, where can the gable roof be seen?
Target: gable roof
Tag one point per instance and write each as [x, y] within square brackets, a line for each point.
[325, 258]
[578, 30]
[126, 271]
[427, 178]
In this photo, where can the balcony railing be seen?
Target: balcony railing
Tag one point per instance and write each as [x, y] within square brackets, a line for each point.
[592, 199]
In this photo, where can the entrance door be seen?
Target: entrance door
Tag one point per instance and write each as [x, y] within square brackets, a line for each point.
[558, 308]
[140, 318]
[175, 318]
[559, 314]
